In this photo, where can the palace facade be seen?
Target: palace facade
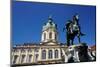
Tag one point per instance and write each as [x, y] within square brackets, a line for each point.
[48, 51]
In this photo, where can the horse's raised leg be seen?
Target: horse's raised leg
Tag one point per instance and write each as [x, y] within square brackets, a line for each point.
[72, 41]
[68, 39]
[79, 39]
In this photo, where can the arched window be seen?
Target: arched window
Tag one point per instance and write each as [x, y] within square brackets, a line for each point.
[56, 53]
[23, 59]
[15, 58]
[50, 35]
[50, 54]
[30, 58]
[44, 36]
[43, 54]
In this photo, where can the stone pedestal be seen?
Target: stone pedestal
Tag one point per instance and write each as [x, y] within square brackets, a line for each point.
[79, 53]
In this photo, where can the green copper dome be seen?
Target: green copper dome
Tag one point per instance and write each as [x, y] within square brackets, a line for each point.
[49, 25]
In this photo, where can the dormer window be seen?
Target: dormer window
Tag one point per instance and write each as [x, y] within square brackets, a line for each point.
[50, 35]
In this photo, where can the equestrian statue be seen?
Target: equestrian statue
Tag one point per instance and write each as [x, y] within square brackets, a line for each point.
[73, 29]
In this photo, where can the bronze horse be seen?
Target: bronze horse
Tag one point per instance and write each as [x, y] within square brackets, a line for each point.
[72, 30]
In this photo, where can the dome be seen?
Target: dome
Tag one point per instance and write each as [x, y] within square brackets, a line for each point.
[50, 24]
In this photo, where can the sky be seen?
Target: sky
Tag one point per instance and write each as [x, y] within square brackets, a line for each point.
[29, 17]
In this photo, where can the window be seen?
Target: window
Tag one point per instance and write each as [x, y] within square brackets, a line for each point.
[50, 54]
[36, 57]
[36, 49]
[30, 58]
[50, 35]
[23, 59]
[15, 50]
[44, 36]
[22, 50]
[56, 53]
[43, 54]
[29, 50]
[15, 59]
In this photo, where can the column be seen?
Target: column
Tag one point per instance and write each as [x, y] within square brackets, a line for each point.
[12, 57]
[19, 59]
[53, 53]
[26, 57]
[20, 56]
[46, 54]
[42, 37]
[39, 57]
[47, 36]
[53, 35]
[59, 53]
[33, 55]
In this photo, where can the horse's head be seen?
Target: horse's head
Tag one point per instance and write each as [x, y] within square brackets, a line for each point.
[75, 19]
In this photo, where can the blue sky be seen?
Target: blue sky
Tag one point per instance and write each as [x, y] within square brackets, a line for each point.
[29, 17]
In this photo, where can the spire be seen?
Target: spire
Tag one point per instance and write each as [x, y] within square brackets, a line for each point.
[50, 19]
[50, 16]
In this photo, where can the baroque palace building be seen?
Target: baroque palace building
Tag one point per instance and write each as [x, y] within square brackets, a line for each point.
[48, 51]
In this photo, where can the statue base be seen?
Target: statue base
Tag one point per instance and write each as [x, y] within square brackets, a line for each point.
[79, 53]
